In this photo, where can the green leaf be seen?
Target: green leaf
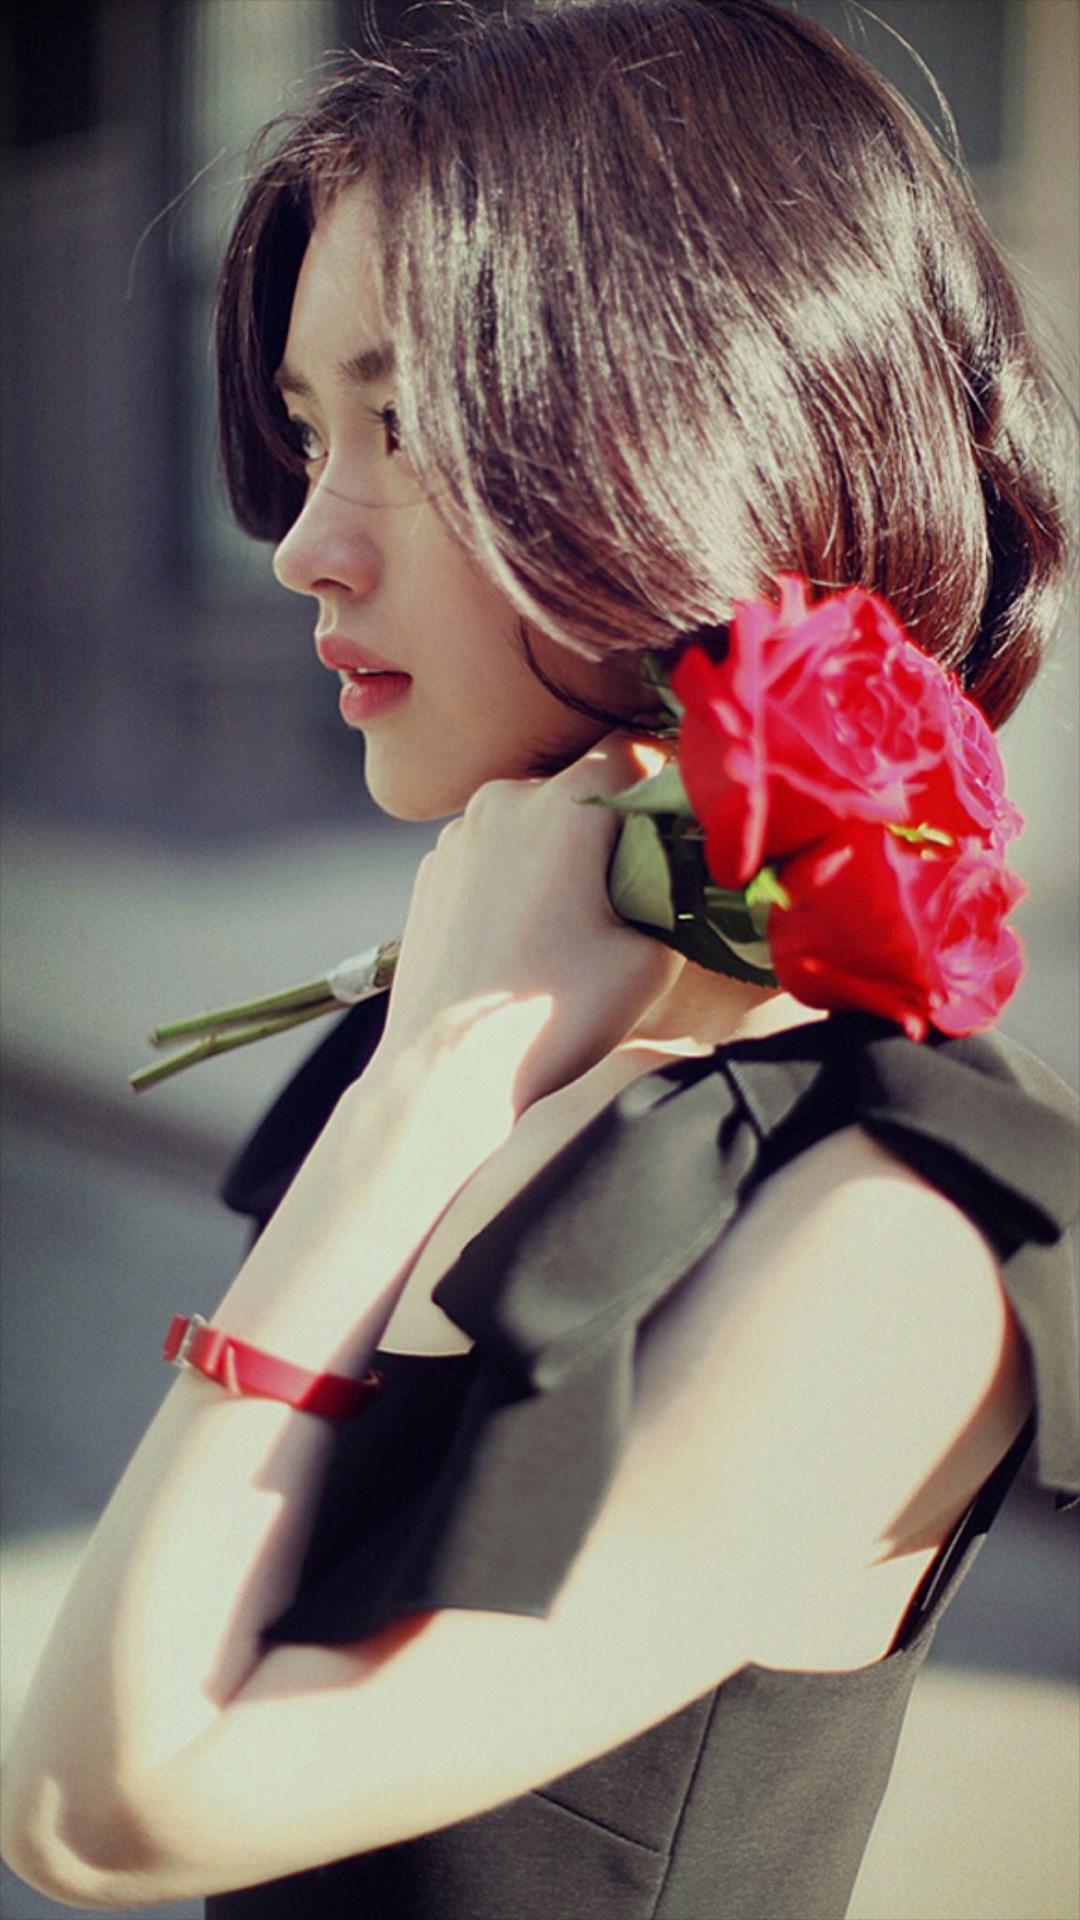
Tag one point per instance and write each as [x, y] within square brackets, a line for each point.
[922, 836]
[698, 941]
[639, 885]
[653, 672]
[659, 883]
[765, 892]
[712, 926]
[658, 793]
[753, 953]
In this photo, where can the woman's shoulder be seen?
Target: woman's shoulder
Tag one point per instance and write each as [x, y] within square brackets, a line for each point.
[914, 1163]
[970, 1114]
[857, 1292]
[626, 1208]
[731, 1253]
[843, 1370]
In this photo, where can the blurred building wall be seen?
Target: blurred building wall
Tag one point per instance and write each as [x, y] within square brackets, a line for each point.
[145, 683]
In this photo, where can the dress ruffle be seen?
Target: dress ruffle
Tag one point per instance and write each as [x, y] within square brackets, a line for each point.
[555, 1290]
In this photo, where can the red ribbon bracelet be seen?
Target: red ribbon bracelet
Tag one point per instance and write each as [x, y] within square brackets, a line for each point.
[241, 1369]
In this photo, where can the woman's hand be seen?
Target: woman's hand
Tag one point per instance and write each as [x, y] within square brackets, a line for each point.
[511, 939]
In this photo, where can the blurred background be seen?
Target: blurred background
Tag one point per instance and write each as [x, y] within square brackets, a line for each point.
[185, 819]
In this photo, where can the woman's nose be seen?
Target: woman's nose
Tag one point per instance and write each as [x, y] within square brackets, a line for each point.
[327, 546]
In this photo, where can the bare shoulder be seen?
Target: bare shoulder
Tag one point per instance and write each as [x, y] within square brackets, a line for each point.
[848, 1226]
[853, 1330]
[848, 1229]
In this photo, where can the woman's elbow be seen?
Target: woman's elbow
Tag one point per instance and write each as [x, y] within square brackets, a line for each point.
[83, 1849]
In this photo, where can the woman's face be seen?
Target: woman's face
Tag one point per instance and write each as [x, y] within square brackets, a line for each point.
[426, 649]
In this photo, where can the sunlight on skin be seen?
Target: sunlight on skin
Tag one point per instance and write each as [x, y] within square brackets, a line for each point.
[1009, 1819]
[35, 1574]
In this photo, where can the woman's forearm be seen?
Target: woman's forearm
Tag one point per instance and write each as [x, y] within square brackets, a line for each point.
[502, 994]
[200, 1545]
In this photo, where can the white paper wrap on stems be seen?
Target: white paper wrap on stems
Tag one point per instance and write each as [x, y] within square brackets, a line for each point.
[364, 974]
[225, 1028]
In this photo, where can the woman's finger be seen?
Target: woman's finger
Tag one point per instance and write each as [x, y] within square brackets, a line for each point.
[613, 764]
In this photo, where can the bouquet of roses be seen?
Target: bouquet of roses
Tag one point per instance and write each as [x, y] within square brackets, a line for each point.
[833, 820]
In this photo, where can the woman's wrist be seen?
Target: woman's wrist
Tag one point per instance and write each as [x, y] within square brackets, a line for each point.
[473, 1055]
[321, 1282]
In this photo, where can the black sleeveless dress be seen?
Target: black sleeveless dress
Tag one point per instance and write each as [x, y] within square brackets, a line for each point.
[474, 1478]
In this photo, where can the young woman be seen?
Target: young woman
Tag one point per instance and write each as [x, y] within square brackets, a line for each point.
[706, 1330]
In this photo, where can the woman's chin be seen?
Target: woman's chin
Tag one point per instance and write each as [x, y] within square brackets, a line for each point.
[415, 793]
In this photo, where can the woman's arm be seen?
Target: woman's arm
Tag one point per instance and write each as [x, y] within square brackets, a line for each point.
[201, 1542]
[814, 1409]
[502, 992]
[164, 1753]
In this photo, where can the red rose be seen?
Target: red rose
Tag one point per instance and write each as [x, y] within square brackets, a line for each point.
[915, 933]
[829, 749]
[965, 795]
[818, 715]
[978, 960]
[855, 933]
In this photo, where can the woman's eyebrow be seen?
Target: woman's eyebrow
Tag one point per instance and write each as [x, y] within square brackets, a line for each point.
[367, 368]
[363, 369]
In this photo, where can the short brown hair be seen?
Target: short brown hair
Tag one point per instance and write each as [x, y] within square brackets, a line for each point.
[682, 294]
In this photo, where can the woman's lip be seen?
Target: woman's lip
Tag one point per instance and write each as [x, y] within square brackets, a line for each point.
[342, 655]
[364, 696]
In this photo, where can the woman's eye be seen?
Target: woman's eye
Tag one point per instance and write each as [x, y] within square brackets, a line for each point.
[309, 447]
[391, 429]
[305, 440]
